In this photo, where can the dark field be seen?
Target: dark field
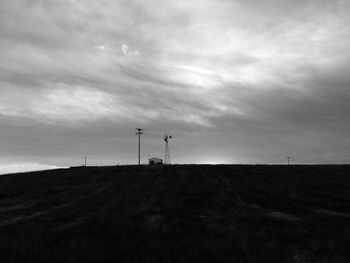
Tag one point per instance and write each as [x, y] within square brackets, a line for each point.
[179, 213]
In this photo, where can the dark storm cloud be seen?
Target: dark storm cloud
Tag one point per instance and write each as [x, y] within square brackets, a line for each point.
[236, 81]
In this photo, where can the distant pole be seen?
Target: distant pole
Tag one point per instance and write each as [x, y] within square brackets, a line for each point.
[288, 160]
[85, 161]
[139, 131]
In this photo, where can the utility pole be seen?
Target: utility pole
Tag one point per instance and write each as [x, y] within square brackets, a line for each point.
[85, 161]
[139, 131]
[288, 160]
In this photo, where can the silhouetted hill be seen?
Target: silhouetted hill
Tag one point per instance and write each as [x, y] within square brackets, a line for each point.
[178, 213]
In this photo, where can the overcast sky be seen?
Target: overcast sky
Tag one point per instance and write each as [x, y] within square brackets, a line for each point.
[234, 81]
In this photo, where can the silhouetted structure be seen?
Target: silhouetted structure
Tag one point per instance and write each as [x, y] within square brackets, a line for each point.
[155, 161]
[139, 132]
[167, 153]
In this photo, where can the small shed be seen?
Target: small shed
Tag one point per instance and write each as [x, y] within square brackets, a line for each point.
[155, 161]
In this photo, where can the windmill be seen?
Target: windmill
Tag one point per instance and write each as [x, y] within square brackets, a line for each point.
[167, 153]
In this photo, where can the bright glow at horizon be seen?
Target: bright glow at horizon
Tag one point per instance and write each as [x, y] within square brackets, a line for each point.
[25, 167]
[249, 81]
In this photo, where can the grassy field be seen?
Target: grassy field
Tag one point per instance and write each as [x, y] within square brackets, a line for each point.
[178, 213]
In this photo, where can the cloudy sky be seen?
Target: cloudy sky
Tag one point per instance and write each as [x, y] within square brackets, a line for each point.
[234, 81]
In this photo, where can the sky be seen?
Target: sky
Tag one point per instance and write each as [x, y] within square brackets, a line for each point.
[234, 81]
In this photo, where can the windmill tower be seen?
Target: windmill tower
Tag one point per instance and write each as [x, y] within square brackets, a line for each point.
[167, 153]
